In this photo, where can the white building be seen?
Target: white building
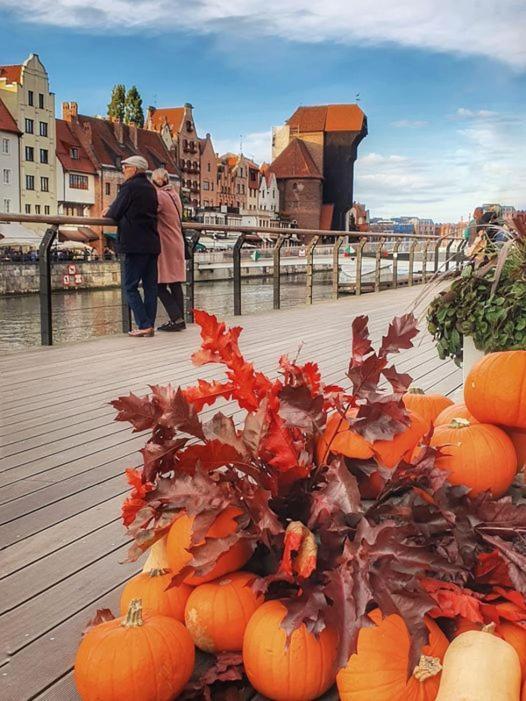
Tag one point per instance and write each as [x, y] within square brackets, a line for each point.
[76, 174]
[9, 162]
[268, 195]
[423, 227]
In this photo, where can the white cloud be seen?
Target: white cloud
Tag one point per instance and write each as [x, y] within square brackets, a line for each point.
[485, 163]
[409, 123]
[494, 28]
[463, 113]
[256, 145]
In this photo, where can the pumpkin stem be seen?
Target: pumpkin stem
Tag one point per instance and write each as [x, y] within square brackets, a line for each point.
[459, 423]
[489, 628]
[426, 668]
[134, 616]
[158, 571]
[415, 390]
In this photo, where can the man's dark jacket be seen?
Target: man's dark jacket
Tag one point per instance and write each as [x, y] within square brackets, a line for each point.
[135, 211]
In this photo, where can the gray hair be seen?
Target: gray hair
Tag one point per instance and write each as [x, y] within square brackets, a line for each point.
[161, 176]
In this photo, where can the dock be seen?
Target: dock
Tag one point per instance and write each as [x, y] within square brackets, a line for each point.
[62, 461]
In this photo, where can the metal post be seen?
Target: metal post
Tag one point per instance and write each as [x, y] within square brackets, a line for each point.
[395, 263]
[411, 263]
[377, 268]
[237, 273]
[310, 268]
[359, 256]
[336, 267]
[44, 267]
[276, 270]
[125, 309]
[190, 277]
[424, 262]
[448, 249]
[437, 256]
[460, 253]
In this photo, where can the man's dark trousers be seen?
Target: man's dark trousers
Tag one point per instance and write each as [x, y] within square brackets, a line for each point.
[138, 268]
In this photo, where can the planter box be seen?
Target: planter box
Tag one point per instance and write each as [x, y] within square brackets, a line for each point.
[471, 355]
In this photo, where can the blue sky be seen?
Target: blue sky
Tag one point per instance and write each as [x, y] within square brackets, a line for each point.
[444, 91]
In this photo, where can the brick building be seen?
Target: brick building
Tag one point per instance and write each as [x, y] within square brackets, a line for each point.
[208, 183]
[331, 135]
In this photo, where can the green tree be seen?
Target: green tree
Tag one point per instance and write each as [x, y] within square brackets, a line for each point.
[117, 104]
[133, 113]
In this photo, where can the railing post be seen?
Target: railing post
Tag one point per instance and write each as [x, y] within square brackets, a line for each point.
[276, 270]
[126, 320]
[310, 268]
[190, 277]
[336, 267]
[424, 262]
[46, 306]
[411, 263]
[437, 256]
[359, 256]
[395, 263]
[448, 249]
[460, 253]
[377, 268]
[237, 273]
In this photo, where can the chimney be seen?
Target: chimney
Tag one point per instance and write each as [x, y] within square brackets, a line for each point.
[149, 116]
[118, 131]
[69, 111]
[134, 135]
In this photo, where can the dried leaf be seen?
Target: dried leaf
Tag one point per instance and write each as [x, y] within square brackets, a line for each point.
[141, 412]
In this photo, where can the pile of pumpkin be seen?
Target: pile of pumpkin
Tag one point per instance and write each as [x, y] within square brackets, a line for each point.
[148, 654]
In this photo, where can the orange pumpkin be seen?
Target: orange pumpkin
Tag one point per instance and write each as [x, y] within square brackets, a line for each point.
[300, 670]
[479, 456]
[455, 411]
[147, 658]
[427, 406]
[378, 669]
[523, 692]
[217, 612]
[518, 438]
[512, 633]
[180, 538]
[495, 389]
[152, 588]
[390, 452]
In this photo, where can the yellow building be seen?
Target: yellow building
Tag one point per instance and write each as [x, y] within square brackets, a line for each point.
[24, 89]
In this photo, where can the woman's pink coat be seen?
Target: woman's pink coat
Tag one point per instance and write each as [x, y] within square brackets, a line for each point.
[171, 265]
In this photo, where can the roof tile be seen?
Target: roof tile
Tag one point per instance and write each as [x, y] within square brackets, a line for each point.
[295, 162]
[12, 74]
[7, 122]
[327, 118]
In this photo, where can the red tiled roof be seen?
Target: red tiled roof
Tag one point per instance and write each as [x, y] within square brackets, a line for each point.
[173, 116]
[153, 148]
[7, 123]
[295, 162]
[327, 118]
[11, 73]
[326, 217]
[66, 140]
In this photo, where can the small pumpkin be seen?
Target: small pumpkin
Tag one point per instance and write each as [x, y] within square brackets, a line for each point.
[478, 456]
[518, 438]
[217, 612]
[479, 666]
[427, 406]
[157, 556]
[152, 588]
[455, 411]
[298, 670]
[180, 538]
[495, 389]
[378, 669]
[512, 633]
[141, 657]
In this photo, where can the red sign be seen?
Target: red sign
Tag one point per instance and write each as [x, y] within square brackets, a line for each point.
[72, 269]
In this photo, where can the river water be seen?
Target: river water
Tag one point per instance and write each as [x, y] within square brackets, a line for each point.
[83, 314]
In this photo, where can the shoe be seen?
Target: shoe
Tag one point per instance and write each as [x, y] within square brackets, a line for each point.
[141, 333]
[172, 326]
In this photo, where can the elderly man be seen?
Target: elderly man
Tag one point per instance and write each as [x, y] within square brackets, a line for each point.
[135, 211]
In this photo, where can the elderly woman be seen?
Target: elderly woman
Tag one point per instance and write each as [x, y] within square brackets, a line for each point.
[171, 265]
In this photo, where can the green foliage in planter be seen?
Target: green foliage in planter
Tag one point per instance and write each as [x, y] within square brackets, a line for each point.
[495, 322]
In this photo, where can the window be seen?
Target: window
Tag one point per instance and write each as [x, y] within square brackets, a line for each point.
[74, 153]
[30, 182]
[188, 125]
[209, 167]
[7, 176]
[185, 144]
[5, 145]
[195, 165]
[29, 126]
[7, 206]
[43, 128]
[44, 184]
[30, 153]
[107, 189]
[206, 185]
[212, 186]
[79, 182]
[41, 101]
[30, 100]
[37, 209]
[28, 209]
[46, 209]
[44, 155]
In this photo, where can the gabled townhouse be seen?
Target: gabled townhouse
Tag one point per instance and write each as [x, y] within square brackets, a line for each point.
[268, 193]
[209, 196]
[9, 162]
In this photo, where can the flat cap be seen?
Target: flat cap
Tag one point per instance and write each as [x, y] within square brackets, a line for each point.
[137, 162]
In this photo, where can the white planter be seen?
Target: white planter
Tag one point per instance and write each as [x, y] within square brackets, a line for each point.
[471, 355]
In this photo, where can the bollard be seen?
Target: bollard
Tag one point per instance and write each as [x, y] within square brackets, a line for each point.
[237, 273]
[276, 271]
[46, 305]
[190, 277]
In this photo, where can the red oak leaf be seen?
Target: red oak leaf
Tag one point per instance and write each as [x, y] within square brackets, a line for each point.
[210, 456]
[141, 412]
[453, 601]
[136, 500]
[206, 393]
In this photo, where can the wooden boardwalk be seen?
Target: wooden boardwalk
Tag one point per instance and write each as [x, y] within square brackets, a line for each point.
[62, 461]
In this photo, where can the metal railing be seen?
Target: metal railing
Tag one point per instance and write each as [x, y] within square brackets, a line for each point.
[364, 244]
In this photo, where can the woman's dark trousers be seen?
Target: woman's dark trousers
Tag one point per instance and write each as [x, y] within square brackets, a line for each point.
[171, 296]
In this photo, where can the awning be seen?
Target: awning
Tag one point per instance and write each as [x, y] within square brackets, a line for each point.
[110, 235]
[83, 234]
[14, 234]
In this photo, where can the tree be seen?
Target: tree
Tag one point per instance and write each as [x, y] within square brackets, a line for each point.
[117, 103]
[133, 113]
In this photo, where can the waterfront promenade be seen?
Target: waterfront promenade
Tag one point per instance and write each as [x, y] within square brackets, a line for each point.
[62, 461]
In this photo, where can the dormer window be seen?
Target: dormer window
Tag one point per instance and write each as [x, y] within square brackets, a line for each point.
[74, 153]
[188, 125]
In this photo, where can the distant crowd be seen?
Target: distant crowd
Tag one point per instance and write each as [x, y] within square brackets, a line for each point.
[17, 254]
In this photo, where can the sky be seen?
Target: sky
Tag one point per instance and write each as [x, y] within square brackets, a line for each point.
[443, 82]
